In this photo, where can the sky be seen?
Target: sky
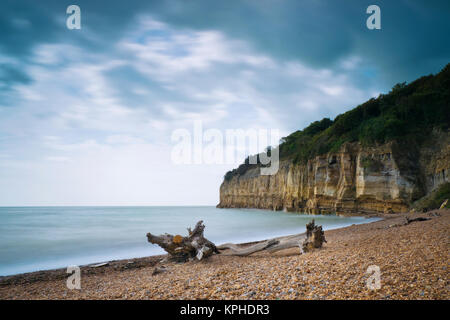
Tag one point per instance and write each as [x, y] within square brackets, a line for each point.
[87, 116]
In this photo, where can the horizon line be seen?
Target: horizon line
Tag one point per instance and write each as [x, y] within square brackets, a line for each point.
[44, 206]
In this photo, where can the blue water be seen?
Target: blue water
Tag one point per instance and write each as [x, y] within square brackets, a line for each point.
[39, 238]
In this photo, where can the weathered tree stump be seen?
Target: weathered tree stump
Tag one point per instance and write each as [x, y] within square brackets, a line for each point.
[314, 237]
[182, 249]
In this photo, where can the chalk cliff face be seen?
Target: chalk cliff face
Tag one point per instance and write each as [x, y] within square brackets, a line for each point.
[356, 179]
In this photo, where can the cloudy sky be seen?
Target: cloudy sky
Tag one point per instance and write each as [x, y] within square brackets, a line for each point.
[86, 116]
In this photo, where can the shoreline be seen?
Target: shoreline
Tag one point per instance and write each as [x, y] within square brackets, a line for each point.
[50, 284]
[117, 263]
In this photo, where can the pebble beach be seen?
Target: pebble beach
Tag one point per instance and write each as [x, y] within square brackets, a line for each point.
[412, 257]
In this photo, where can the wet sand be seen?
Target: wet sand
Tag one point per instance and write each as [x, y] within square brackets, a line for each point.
[413, 259]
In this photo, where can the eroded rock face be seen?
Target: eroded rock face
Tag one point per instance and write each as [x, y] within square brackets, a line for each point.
[386, 178]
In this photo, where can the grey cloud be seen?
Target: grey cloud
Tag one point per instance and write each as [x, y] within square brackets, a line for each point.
[412, 40]
[317, 32]
[320, 34]
[10, 75]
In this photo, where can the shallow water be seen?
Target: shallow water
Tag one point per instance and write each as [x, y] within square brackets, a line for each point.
[37, 238]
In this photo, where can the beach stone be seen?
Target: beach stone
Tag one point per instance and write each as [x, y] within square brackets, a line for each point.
[338, 272]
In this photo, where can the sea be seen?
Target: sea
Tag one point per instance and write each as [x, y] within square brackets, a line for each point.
[41, 238]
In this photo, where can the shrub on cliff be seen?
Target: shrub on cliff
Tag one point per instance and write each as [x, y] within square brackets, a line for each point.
[434, 199]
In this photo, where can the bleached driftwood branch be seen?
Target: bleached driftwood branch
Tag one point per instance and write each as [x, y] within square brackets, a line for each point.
[312, 238]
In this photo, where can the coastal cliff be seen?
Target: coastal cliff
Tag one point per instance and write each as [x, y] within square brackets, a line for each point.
[385, 178]
[379, 157]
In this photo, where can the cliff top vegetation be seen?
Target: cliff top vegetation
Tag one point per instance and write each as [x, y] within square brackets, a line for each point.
[409, 112]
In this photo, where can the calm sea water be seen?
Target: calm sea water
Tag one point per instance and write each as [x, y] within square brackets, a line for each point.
[38, 238]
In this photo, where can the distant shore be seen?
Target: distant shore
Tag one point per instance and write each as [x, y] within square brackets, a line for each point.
[412, 257]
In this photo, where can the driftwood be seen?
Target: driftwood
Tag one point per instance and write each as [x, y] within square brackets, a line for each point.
[409, 220]
[195, 245]
[180, 248]
[245, 251]
[99, 265]
[312, 238]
